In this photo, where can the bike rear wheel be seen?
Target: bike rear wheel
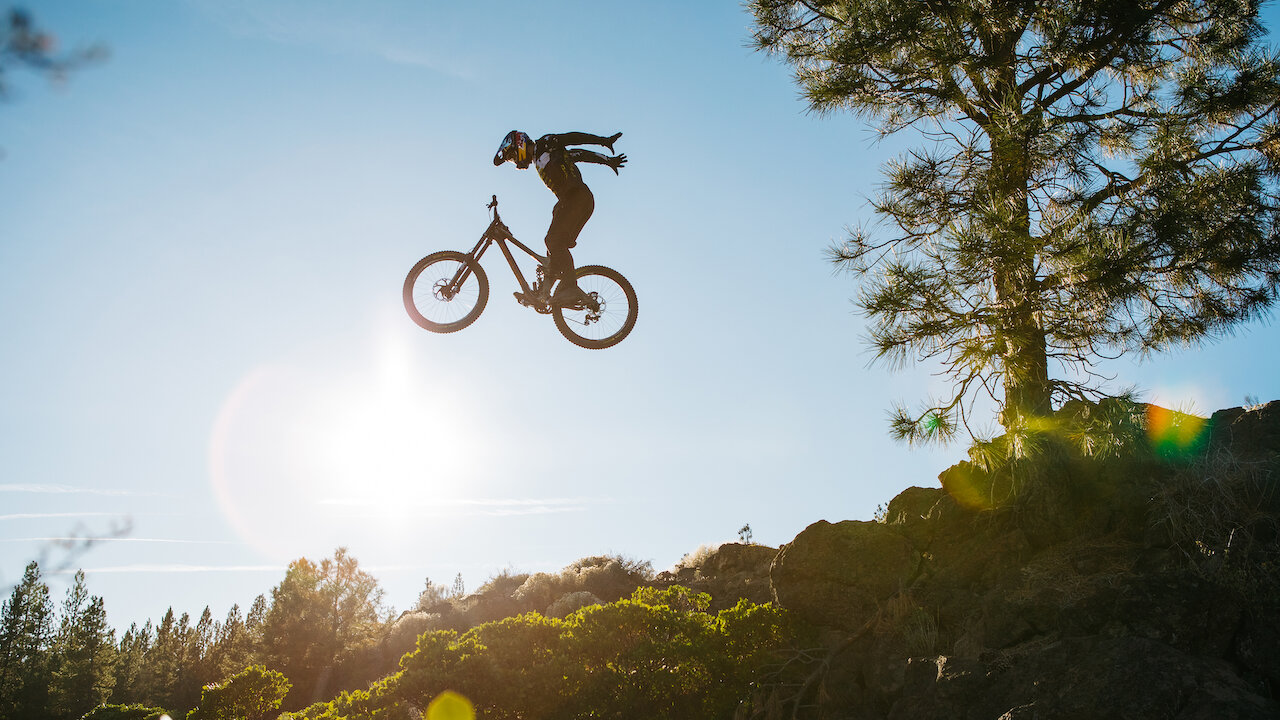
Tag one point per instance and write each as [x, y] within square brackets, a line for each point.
[445, 291]
[613, 319]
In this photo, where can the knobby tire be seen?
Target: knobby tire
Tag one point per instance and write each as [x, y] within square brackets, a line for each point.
[618, 313]
[426, 299]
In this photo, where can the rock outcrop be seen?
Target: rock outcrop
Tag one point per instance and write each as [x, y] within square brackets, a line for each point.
[838, 575]
[1144, 588]
[728, 573]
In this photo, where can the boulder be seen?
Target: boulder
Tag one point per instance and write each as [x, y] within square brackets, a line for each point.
[1249, 434]
[918, 512]
[838, 575]
[729, 573]
[731, 559]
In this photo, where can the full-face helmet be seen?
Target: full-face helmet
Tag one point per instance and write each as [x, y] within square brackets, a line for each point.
[516, 147]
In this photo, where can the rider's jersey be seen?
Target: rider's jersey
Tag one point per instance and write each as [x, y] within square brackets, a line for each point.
[556, 164]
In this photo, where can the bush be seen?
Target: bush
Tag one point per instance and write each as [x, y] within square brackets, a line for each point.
[655, 655]
[406, 629]
[503, 584]
[254, 693]
[608, 577]
[572, 602]
[124, 712]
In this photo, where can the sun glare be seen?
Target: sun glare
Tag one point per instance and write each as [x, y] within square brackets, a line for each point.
[387, 449]
[296, 452]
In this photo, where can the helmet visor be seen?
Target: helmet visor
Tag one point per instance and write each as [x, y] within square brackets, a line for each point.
[507, 150]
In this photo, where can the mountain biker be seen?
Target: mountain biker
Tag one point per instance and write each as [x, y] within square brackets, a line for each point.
[556, 163]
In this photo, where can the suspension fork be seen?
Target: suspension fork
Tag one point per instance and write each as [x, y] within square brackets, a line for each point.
[464, 271]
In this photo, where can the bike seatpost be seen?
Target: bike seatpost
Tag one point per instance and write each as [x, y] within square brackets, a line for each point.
[494, 203]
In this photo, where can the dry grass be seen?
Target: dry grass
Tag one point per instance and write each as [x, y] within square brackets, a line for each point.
[605, 576]
[1220, 513]
[698, 557]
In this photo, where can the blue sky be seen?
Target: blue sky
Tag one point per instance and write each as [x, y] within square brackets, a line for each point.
[201, 253]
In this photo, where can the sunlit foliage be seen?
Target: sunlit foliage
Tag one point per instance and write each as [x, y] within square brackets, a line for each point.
[254, 693]
[126, 712]
[1097, 178]
[321, 615]
[658, 654]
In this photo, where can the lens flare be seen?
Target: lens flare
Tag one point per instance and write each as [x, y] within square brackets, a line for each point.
[1175, 434]
[450, 705]
[969, 487]
[306, 456]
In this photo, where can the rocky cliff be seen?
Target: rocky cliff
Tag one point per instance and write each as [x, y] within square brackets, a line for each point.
[1147, 588]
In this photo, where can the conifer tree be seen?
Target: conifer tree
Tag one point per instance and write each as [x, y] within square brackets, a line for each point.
[233, 647]
[131, 655]
[26, 636]
[256, 618]
[163, 665]
[84, 654]
[1099, 178]
[195, 666]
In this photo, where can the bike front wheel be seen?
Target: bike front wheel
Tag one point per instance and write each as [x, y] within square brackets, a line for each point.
[613, 316]
[445, 291]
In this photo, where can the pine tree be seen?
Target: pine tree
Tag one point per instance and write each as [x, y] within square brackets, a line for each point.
[233, 648]
[196, 670]
[84, 654]
[256, 618]
[1099, 179]
[131, 657]
[26, 636]
[162, 667]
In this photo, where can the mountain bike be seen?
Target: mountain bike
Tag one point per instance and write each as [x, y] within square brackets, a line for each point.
[447, 290]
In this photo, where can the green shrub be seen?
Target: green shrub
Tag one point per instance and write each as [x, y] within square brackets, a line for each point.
[124, 712]
[658, 654]
[254, 693]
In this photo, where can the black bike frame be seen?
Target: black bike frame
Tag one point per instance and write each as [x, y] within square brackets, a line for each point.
[499, 233]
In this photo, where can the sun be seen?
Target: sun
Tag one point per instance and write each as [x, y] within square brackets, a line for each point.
[390, 449]
[390, 441]
[303, 452]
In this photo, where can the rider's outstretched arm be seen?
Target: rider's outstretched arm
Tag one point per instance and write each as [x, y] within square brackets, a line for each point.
[579, 155]
[581, 138]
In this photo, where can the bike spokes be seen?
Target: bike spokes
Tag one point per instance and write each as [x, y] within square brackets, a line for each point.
[445, 291]
[609, 314]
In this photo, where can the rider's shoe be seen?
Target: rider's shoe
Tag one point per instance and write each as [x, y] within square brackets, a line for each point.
[570, 295]
[535, 298]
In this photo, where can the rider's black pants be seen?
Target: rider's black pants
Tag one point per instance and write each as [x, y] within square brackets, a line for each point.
[570, 214]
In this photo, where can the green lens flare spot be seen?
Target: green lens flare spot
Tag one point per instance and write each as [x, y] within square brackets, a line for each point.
[1175, 434]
